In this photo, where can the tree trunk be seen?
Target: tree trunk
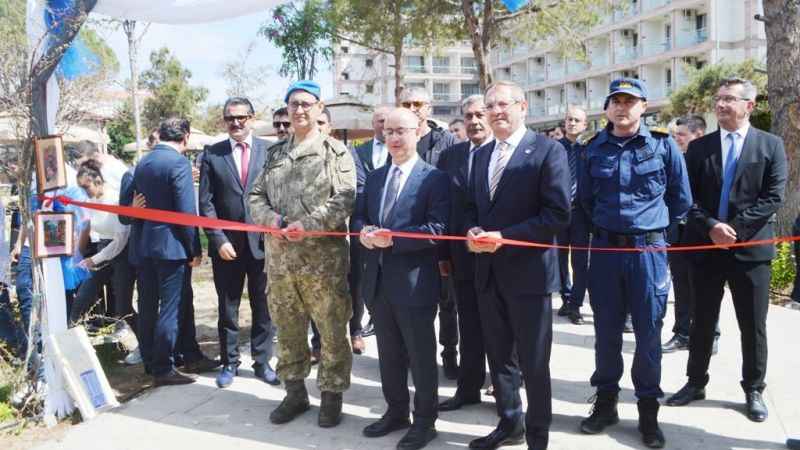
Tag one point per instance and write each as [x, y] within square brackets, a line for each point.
[129, 26]
[399, 72]
[782, 23]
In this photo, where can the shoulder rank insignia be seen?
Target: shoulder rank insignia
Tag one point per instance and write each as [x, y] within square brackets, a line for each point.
[586, 137]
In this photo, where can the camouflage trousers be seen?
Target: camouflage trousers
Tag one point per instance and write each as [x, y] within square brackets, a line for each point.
[294, 300]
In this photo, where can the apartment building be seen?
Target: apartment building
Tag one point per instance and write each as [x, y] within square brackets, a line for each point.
[653, 40]
[448, 73]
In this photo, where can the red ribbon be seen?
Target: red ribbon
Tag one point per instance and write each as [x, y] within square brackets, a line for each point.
[176, 218]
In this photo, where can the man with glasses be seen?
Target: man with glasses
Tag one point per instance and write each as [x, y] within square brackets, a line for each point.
[227, 173]
[401, 282]
[577, 234]
[738, 176]
[633, 187]
[519, 190]
[308, 184]
[281, 123]
[432, 142]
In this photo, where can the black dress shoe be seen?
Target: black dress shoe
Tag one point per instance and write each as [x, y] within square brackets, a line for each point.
[417, 437]
[686, 395]
[173, 378]
[500, 437]
[265, 373]
[677, 342]
[201, 365]
[575, 315]
[756, 408]
[386, 425]
[564, 310]
[456, 402]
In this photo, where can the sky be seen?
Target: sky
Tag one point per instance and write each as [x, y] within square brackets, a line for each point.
[204, 48]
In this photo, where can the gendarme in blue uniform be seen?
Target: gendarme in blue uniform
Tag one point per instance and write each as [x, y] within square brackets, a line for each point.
[632, 188]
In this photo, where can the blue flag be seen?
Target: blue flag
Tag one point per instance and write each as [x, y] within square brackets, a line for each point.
[514, 5]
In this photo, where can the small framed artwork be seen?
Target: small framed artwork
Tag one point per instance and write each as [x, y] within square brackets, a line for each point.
[53, 234]
[51, 172]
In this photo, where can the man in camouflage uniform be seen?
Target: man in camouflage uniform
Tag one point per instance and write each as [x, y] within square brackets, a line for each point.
[308, 184]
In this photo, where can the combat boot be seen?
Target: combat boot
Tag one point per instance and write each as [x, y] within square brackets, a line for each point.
[652, 436]
[603, 414]
[294, 404]
[330, 409]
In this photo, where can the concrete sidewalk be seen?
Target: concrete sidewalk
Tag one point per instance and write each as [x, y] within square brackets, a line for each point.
[201, 416]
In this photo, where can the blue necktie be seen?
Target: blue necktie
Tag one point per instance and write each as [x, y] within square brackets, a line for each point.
[729, 172]
[572, 158]
[392, 189]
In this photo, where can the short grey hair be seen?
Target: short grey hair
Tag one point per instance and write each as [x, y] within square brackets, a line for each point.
[414, 91]
[471, 100]
[517, 93]
[748, 88]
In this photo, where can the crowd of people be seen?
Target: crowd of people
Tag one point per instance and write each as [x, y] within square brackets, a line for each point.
[488, 179]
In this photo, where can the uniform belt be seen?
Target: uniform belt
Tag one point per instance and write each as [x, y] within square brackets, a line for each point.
[630, 240]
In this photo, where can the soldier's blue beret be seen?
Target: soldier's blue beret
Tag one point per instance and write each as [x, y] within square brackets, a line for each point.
[312, 87]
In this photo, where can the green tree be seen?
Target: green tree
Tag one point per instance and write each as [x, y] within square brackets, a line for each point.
[559, 25]
[121, 131]
[302, 34]
[696, 96]
[171, 94]
[388, 26]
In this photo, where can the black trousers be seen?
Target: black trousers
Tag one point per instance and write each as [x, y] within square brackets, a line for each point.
[523, 323]
[472, 367]
[187, 349]
[407, 340]
[448, 318]
[229, 277]
[120, 277]
[749, 285]
[681, 270]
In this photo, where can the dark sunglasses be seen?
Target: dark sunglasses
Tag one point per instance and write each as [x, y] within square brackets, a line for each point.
[278, 125]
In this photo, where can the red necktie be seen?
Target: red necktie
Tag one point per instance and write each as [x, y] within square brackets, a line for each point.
[245, 161]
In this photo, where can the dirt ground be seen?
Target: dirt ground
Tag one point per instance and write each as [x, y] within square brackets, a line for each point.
[130, 381]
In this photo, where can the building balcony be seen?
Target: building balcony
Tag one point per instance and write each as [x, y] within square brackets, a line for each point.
[536, 111]
[656, 48]
[443, 69]
[469, 70]
[648, 5]
[446, 97]
[519, 78]
[555, 110]
[626, 54]
[574, 67]
[688, 38]
[556, 72]
[625, 13]
[578, 101]
[597, 102]
[536, 77]
[415, 69]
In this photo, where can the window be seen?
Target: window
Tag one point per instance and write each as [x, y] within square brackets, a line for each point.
[370, 88]
[417, 85]
[443, 111]
[345, 76]
[441, 92]
[468, 89]
[415, 64]
[368, 62]
[441, 64]
[345, 49]
[468, 65]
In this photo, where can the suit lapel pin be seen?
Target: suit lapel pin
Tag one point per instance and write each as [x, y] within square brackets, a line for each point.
[528, 151]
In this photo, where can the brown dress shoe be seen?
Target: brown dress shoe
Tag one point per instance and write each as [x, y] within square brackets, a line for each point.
[173, 378]
[358, 345]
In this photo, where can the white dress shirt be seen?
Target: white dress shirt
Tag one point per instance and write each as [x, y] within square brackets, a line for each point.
[379, 154]
[236, 152]
[738, 141]
[405, 171]
[105, 226]
[513, 142]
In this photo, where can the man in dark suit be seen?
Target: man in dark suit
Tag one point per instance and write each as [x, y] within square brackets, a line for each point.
[227, 172]
[401, 280]
[369, 156]
[519, 190]
[456, 262]
[738, 177]
[164, 177]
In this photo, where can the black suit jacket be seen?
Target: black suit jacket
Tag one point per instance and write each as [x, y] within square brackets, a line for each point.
[222, 195]
[455, 162]
[756, 194]
[531, 203]
[409, 268]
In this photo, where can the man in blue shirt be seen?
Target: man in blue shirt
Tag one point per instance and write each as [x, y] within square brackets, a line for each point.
[634, 185]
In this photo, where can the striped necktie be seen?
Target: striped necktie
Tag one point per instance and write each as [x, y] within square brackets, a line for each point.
[499, 166]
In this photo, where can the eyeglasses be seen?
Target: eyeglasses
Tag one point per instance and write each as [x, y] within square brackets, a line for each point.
[416, 104]
[232, 119]
[279, 125]
[728, 99]
[305, 105]
[502, 106]
[477, 115]
[399, 132]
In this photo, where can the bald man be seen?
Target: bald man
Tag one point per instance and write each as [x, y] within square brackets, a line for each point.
[401, 282]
